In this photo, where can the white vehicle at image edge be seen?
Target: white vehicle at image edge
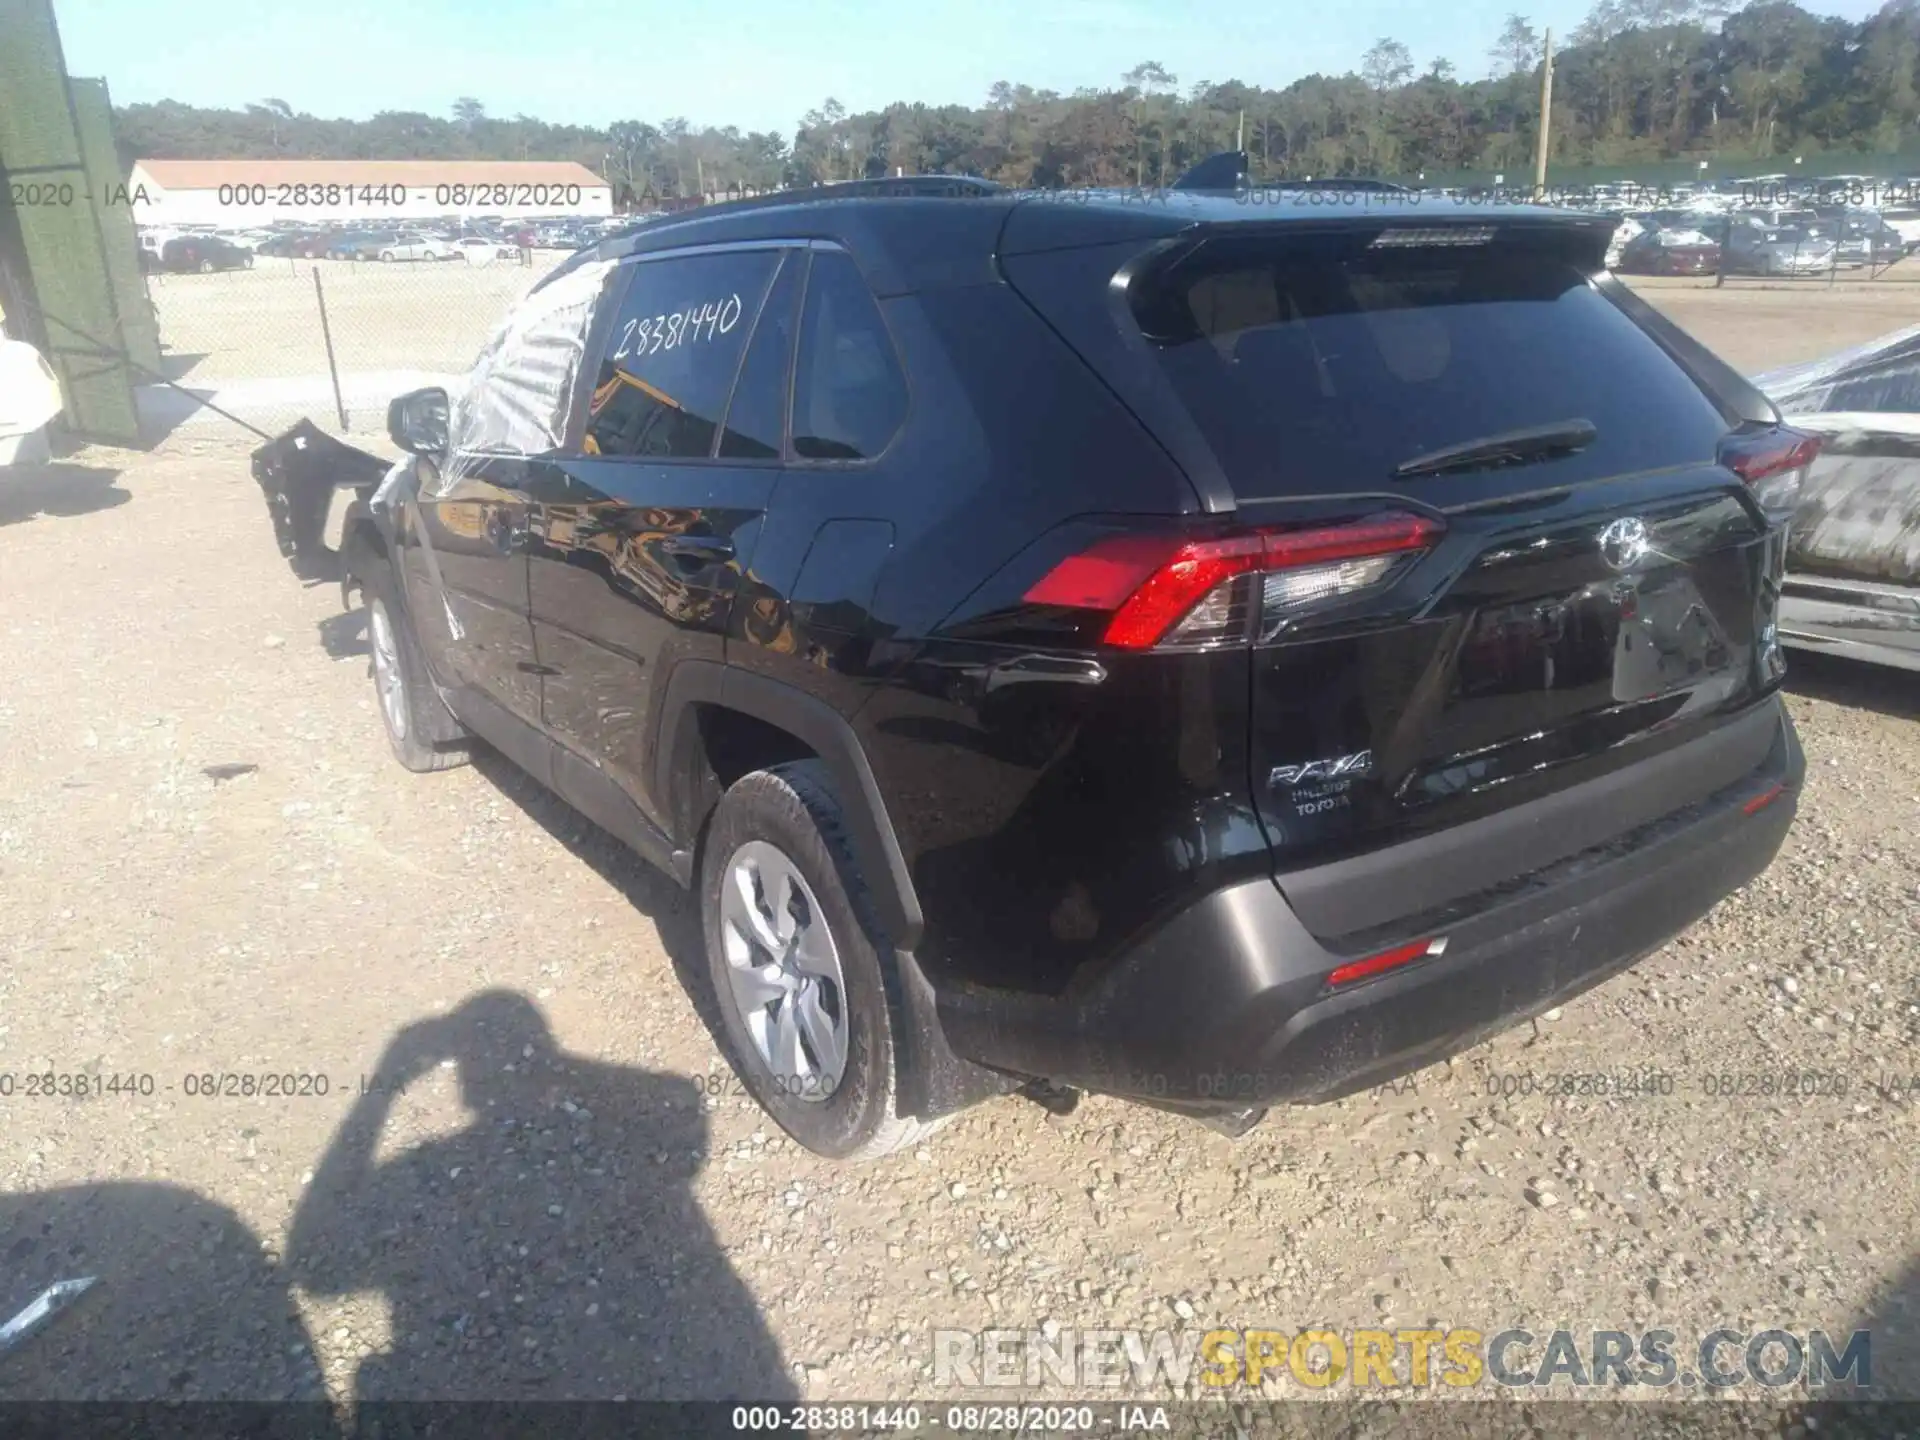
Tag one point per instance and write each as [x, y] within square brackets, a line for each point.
[29, 398]
[417, 247]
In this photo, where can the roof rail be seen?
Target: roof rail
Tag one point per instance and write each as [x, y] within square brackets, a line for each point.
[1339, 182]
[879, 187]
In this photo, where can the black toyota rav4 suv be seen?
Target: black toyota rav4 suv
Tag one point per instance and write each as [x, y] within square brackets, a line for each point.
[1208, 652]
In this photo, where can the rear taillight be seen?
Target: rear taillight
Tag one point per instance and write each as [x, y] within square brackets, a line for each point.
[1774, 462]
[1165, 592]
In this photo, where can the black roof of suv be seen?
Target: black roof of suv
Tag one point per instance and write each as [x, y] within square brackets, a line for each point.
[1212, 648]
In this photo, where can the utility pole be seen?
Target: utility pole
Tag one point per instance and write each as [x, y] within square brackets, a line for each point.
[1546, 119]
[1240, 137]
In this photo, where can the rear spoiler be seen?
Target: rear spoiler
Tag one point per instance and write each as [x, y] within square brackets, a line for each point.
[298, 473]
[1228, 170]
[1225, 171]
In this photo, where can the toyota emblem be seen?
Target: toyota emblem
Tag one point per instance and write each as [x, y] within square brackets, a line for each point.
[1623, 543]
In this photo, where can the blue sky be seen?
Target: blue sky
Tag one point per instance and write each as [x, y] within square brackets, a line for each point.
[759, 64]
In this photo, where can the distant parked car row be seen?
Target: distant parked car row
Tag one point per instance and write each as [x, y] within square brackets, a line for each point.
[1758, 240]
[390, 246]
[476, 240]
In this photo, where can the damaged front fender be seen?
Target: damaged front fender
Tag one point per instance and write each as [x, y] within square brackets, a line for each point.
[299, 473]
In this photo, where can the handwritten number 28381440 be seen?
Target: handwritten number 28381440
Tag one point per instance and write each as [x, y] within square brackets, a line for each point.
[701, 320]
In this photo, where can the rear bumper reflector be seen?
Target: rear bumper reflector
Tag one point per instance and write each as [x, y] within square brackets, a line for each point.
[1355, 970]
[1763, 799]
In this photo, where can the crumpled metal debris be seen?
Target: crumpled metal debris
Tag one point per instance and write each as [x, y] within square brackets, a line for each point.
[1858, 516]
[47, 1304]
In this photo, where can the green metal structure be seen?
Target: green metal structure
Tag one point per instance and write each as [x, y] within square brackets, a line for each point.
[74, 267]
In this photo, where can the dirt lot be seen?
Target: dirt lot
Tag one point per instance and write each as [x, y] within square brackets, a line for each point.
[252, 341]
[1757, 325]
[556, 1188]
[266, 321]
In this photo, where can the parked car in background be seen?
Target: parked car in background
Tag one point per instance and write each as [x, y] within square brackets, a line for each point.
[408, 245]
[1862, 237]
[1753, 249]
[204, 253]
[1904, 222]
[1807, 218]
[478, 250]
[1677, 251]
[297, 245]
[361, 244]
[564, 237]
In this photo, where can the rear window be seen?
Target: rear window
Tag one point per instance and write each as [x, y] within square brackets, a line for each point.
[1320, 365]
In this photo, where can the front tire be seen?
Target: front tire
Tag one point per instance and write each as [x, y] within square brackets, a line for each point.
[411, 712]
[804, 989]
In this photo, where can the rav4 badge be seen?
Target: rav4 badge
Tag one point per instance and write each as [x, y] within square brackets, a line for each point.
[1317, 770]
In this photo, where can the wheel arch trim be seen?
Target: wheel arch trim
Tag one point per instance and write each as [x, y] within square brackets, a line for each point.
[821, 729]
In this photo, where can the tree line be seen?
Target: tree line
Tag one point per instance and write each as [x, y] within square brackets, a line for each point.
[1638, 81]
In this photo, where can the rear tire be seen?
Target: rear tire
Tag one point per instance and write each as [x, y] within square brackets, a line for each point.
[411, 711]
[777, 853]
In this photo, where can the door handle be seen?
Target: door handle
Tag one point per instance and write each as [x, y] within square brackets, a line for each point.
[694, 551]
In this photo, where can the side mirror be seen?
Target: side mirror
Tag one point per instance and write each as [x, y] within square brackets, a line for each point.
[417, 421]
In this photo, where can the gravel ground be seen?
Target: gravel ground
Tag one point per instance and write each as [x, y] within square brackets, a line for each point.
[210, 867]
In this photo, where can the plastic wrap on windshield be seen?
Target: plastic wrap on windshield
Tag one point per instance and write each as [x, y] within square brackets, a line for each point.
[1859, 511]
[516, 399]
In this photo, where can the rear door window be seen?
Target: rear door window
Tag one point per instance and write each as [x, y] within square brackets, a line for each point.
[1318, 365]
[849, 393]
[757, 418]
[672, 354]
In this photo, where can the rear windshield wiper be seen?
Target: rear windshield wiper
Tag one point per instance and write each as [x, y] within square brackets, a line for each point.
[1509, 447]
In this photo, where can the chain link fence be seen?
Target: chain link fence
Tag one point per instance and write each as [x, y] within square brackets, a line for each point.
[1786, 267]
[331, 341]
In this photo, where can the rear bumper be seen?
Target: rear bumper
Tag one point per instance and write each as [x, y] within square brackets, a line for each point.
[1228, 1006]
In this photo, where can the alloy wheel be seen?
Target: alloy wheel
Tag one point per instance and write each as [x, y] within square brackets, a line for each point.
[387, 678]
[784, 971]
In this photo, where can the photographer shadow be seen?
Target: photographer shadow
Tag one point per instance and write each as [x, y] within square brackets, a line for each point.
[551, 1249]
[187, 1305]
